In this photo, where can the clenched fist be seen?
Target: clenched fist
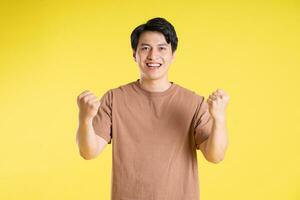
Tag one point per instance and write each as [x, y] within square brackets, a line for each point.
[217, 103]
[88, 106]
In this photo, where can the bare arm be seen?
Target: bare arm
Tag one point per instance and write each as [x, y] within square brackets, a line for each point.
[215, 146]
[90, 144]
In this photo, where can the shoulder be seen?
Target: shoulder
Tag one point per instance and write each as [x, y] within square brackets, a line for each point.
[124, 88]
[119, 90]
[191, 94]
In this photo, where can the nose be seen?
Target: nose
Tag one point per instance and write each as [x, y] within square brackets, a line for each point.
[152, 55]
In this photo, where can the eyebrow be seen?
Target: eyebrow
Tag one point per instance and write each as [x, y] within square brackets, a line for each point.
[162, 44]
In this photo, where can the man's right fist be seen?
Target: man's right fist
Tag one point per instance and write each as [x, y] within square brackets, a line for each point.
[88, 105]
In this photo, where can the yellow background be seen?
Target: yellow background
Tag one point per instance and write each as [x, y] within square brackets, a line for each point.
[50, 51]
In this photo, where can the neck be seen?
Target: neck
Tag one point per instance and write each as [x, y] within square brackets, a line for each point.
[158, 85]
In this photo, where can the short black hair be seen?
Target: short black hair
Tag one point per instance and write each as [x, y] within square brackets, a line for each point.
[155, 24]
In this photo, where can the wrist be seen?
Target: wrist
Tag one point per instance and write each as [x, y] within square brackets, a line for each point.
[219, 119]
[85, 122]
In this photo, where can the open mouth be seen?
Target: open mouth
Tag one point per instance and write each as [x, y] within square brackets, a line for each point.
[153, 65]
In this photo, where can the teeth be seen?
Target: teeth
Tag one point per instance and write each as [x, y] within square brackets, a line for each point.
[153, 64]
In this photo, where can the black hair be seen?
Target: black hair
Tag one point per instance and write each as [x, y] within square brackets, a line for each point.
[155, 24]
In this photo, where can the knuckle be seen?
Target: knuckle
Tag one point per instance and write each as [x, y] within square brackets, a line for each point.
[85, 100]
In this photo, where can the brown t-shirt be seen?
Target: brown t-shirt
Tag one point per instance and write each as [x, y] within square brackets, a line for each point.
[154, 137]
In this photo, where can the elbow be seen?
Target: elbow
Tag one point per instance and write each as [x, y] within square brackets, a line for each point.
[216, 157]
[87, 156]
[215, 160]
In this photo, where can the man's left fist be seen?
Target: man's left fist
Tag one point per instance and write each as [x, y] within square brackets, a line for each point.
[217, 103]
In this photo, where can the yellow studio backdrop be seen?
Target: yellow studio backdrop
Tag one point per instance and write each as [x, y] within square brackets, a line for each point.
[51, 51]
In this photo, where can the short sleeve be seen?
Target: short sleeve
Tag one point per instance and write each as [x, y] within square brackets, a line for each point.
[102, 122]
[203, 122]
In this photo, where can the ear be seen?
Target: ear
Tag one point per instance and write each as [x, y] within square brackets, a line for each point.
[173, 55]
[133, 54]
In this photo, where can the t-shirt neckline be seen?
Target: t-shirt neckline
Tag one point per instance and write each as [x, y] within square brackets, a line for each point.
[149, 93]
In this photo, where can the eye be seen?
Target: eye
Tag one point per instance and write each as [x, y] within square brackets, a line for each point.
[145, 48]
[162, 48]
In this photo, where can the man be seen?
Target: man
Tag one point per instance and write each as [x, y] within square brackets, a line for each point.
[156, 125]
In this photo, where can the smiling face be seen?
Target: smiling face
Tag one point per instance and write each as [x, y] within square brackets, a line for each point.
[153, 55]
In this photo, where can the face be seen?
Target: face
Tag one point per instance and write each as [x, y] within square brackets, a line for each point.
[153, 55]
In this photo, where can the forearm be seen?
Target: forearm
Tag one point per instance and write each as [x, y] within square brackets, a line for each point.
[217, 142]
[86, 139]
